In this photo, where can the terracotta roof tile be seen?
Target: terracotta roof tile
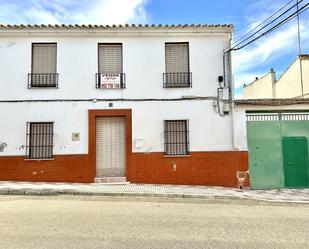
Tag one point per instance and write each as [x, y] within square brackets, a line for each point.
[128, 26]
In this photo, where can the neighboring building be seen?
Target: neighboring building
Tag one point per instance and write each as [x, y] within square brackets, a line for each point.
[277, 135]
[85, 103]
[273, 117]
[289, 85]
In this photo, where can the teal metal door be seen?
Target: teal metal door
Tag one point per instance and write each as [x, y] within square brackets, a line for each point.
[295, 158]
[265, 165]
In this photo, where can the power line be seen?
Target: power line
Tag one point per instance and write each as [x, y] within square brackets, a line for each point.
[298, 29]
[264, 21]
[281, 15]
[287, 19]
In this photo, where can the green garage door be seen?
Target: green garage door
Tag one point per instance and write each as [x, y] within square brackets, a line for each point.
[278, 149]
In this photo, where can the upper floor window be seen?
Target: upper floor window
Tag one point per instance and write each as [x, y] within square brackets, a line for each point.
[110, 69]
[177, 70]
[43, 66]
[176, 137]
[40, 140]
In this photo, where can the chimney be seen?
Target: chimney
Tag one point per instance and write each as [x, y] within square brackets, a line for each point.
[273, 82]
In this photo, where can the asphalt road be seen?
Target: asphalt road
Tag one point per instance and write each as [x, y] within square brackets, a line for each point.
[101, 222]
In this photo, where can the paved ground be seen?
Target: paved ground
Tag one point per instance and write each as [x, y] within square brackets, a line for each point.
[180, 191]
[108, 222]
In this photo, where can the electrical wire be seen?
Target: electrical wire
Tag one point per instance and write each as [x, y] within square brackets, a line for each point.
[189, 98]
[290, 17]
[268, 24]
[283, 7]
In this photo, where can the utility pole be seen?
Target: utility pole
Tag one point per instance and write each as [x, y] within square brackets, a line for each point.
[299, 51]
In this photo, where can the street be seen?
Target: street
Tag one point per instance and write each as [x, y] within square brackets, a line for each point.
[106, 222]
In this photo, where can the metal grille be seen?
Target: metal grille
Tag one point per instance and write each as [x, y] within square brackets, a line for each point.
[110, 58]
[44, 65]
[40, 140]
[176, 137]
[262, 118]
[110, 147]
[277, 117]
[177, 73]
[42, 80]
[295, 116]
[174, 80]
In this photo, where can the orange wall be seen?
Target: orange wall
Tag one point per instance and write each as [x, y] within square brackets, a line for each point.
[68, 168]
[201, 168]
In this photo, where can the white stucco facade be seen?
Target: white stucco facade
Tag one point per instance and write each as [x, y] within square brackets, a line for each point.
[207, 131]
[143, 63]
[261, 88]
[293, 83]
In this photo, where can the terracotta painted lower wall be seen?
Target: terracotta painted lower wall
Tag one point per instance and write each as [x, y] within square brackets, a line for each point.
[64, 168]
[201, 168]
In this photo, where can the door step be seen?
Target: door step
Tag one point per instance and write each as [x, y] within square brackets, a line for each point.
[111, 180]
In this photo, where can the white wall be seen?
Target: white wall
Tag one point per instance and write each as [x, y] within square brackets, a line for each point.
[240, 128]
[143, 64]
[208, 131]
[262, 88]
[289, 85]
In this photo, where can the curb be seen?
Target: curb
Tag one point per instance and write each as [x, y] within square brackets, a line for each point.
[51, 192]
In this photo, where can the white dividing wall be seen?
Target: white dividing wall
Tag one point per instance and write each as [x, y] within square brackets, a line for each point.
[262, 88]
[208, 131]
[240, 127]
[289, 85]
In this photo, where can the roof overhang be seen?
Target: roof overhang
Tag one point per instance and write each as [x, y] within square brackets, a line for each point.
[271, 102]
[114, 29]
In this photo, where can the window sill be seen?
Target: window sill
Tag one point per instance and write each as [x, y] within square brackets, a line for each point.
[43, 87]
[118, 88]
[43, 159]
[171, 87]
[176, 156]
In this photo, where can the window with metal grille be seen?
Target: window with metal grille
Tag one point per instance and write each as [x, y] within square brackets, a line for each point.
[110, 67]
[177, 71]
[43, 66]
[176, 137]
[40, 140]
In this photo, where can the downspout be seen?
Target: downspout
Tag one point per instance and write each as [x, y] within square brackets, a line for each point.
[229, 82]
[273, 83]
[232, 98]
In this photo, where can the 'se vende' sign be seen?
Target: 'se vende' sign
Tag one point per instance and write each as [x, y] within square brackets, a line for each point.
[109, 81]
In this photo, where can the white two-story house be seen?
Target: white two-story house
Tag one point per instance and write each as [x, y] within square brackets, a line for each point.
[145, 103]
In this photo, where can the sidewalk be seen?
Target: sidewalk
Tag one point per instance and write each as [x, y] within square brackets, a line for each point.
[154, 190]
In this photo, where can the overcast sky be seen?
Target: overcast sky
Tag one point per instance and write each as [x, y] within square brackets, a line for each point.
[276, 50]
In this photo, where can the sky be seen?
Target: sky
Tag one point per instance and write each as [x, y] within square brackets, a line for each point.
[276, 50]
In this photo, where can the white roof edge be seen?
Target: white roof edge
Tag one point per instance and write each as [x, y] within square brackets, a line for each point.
[104, 28]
